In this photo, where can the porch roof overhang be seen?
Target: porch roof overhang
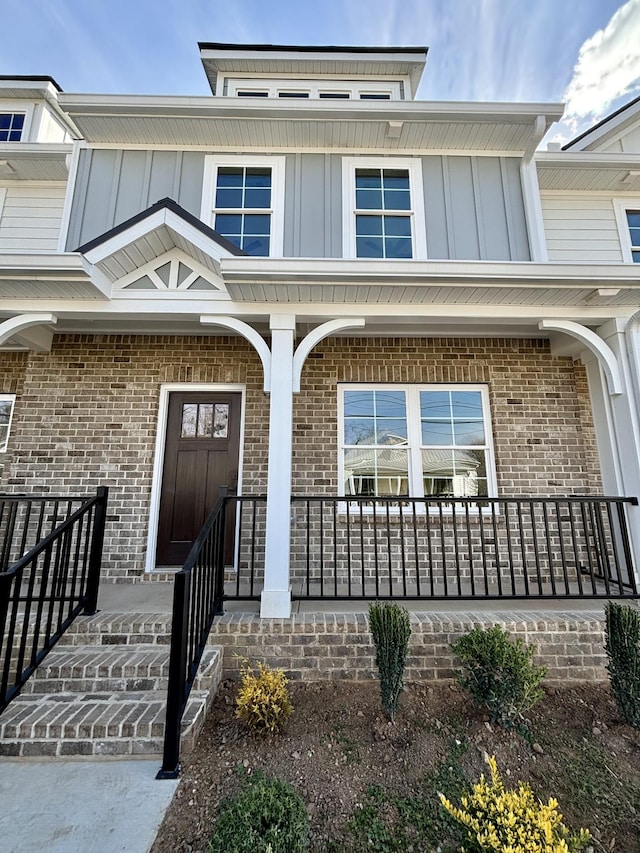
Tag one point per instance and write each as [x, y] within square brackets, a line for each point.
[47, 276]
[224, 123]
[430, 282]
[35, 161]
[588, 171]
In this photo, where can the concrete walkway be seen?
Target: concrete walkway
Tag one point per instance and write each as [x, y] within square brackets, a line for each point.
[81, 806]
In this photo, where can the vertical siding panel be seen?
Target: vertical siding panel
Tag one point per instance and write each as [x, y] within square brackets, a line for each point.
[476, 192]
[79, 200]
[96, 208]
[313, 205]
[335, 207]
[128, 198]
[491, 210]
[191, 178]
[162, 176]
[289, 206]
[463, 220]
[435, 208]
[519, 236]
[296, 191]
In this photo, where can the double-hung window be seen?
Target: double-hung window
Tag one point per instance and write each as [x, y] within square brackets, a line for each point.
[7, 402]
[628, 219]
[383, 208]
[416, 441]
[11, 126]
[243, 200]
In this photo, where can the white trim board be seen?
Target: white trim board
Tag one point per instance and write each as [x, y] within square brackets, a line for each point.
[620, 207]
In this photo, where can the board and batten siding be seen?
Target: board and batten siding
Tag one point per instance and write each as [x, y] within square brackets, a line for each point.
[473, 205]
[30, 216]
[581, 228]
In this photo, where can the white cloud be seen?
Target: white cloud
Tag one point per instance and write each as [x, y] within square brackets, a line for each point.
[608, 68]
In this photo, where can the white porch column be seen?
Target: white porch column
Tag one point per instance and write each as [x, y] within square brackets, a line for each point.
[276, 595]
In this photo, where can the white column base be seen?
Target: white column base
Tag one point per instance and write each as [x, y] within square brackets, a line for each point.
[275, 604]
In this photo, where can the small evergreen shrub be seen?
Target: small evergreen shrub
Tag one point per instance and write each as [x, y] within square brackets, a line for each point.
[390, 628]
[622, 644]
[263, 699]
[499, 820]
[499, 673]
[266, 816]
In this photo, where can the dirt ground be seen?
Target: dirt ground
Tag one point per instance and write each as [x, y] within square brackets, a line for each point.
[338, 743]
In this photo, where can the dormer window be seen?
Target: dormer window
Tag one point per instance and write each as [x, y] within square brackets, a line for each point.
[242, 93]
[293, 94]
[314, 89]
[11, 126]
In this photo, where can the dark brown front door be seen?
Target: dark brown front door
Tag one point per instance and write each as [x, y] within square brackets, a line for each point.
[201, 454]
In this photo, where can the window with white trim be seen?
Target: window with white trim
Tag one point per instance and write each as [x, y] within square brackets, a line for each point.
[633, 223]
[11, 126]
[415, 441]
[243, 200]
[627, 211]
[7, 402]
[383, 208]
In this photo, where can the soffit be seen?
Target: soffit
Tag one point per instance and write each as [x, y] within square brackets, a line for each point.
[589, 172]
[33, 161]
[46, 276]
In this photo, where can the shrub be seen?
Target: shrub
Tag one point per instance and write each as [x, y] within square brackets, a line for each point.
[499, 673]
[263, 699]
[499, 820]
[622, 633]
[266, 816]
[390, 628]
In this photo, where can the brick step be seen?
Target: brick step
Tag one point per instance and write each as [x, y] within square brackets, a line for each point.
[93, 707]
[118, 629]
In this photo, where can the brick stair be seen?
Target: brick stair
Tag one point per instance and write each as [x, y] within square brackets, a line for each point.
[102, 692]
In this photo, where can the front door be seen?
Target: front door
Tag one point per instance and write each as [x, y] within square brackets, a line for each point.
[201, 454]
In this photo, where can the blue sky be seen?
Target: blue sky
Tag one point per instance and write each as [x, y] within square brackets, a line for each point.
[584, 52]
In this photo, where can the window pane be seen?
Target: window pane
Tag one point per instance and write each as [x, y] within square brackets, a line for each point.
[391, 431]
[205, 420]
[435, 404]
[366, 225]
[368, 179]
[396, 200]
[18, 121]
[359, 431]
[368, 199]
[437, 432]
[228, 223]
[366, 97]
[15, 136]
[334, 95]
[189, 415]
[454, 473]
[4, 435]
[258, 246]
[258, 177]
[293, 94]
[221, 420]
[257, 198]
[396, 179]
[390, 403]
[253, 94]
[257, 223]
[636, 257]
[369, 247]
[633, 218]
[397, 226]
[5, 121]
[231, 198]
[229, 176]
[376, 472]
[397, 247]
[358, 403]
[5, 411]
[468, 432]
[466, 404]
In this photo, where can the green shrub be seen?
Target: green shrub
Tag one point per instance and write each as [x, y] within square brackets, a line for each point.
[390, 628]
[622, 633]
[263, 699]
[266, 816]
[497, 820]
[499, 673]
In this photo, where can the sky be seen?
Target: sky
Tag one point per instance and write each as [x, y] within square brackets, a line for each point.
[585, 53]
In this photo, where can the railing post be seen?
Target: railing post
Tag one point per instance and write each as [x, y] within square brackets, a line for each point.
[95, 554]
[177, 677]
[218, 582]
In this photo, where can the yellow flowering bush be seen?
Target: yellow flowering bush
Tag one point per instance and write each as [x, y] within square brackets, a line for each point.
[505, 821]
[263, 698]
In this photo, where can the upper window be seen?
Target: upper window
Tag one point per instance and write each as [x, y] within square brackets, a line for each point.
[416, 441]
[383, 208]
[313, 88]
[633, 221]
[243, 199]
[11, 126]
[7, 402]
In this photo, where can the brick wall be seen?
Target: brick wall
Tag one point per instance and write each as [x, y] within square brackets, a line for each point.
[319, 646]
[87, 415]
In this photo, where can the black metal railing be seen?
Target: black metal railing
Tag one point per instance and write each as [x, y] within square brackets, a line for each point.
[51, 584]
[197, 598]
[464, 548]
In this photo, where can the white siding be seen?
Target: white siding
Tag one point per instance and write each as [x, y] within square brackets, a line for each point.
[628, 143]
[581, 228]
[31, 217]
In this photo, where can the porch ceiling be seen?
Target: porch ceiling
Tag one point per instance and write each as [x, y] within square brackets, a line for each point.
[430, 282]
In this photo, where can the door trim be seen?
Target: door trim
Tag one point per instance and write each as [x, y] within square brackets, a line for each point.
[158, 460]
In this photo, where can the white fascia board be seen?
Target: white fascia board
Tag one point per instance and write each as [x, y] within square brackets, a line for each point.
[42, 262]
[162, 105]
[237, 269]
[35, 150]
[586, 159]
[151, 223]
